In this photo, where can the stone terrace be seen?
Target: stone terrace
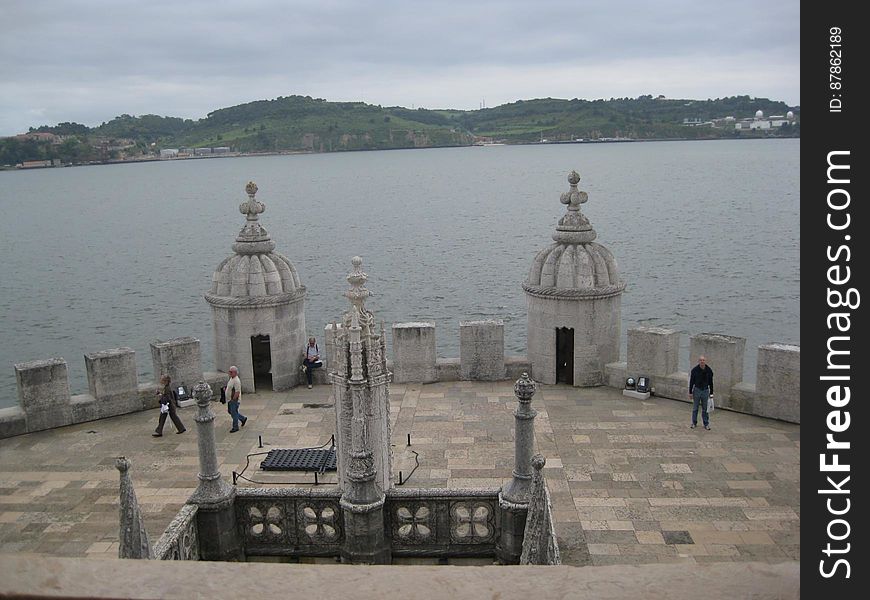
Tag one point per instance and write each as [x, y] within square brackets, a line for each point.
[629, 480]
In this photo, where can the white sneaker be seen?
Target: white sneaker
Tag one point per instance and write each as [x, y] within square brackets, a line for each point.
[309, 387]
[303, 368]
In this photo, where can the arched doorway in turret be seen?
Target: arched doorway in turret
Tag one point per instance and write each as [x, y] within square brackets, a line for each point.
[565, 355]
[261, 357]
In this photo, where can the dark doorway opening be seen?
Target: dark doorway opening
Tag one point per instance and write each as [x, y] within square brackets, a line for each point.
[565, 355]
[261, 354]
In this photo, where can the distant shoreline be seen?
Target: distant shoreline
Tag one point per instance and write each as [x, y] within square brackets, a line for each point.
[309, 152]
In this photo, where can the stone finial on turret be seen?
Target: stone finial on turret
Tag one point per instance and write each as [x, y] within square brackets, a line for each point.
[132, 537]
[574, 227]
[253, 207]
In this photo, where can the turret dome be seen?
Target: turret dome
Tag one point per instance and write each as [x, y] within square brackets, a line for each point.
[255, 271]
[574, 265]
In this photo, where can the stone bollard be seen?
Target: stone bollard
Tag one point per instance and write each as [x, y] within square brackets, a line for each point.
[779, 382]
[652, 351]
[43, 393]
[414, 353]
[724, 354]
[514, 497]
[113, 381]
[216, 520]
[481, 350]
[180, 358]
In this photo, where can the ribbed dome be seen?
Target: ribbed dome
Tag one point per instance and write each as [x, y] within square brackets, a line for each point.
[255, 271]
[255, 275]
[575, 265]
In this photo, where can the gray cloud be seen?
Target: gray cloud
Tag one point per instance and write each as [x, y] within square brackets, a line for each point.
[89, 61]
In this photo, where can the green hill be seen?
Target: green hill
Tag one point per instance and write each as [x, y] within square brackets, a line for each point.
[302, 123]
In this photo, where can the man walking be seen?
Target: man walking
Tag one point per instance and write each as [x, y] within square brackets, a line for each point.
[234, 397]
[700, 390]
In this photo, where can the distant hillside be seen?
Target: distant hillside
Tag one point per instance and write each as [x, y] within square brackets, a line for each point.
[302, 123]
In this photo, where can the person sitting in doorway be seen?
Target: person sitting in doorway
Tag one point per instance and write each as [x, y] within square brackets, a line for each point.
[312, 359]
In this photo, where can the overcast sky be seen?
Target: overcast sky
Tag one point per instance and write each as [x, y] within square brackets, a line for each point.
[89, 61]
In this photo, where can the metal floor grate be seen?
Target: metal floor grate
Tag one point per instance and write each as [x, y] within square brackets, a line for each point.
[300, 459]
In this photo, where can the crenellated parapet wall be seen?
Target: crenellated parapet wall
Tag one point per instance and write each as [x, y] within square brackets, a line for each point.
[481, 354]
[45, 401]
[654, 352]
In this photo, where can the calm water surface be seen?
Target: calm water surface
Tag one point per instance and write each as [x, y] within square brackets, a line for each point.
[706, 235]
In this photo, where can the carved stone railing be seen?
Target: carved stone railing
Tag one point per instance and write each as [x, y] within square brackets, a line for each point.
[180, 540]
[419, 522]
[442, 522]
[289, 522]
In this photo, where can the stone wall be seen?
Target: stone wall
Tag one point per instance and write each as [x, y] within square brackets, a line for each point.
[45, 402]
[653, 351]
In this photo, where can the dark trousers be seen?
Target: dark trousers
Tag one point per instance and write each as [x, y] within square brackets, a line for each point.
[309, 366]
[179, 426]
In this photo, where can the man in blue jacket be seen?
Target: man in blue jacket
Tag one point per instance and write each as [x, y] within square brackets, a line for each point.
[700, 390]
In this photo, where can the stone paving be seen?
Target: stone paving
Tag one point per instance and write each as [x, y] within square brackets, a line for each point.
[630, 482]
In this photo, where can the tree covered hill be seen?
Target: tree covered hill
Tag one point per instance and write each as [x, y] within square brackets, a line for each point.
[303, 123]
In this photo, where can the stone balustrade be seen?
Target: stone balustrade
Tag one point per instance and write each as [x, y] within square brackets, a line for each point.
[653, 352]
[421, 522]
[180, 541]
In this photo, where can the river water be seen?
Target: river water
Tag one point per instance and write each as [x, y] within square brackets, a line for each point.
[706, 235]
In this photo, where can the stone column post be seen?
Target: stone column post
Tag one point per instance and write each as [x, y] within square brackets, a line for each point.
[215, 519]
[514, 497]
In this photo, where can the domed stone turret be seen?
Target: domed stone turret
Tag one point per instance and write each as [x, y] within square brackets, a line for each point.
[573, 295]
[258, 307]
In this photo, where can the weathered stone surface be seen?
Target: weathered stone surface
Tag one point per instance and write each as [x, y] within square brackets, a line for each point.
[779, 382]
[724, 354]
[113, 381]
[12, 422]
[85, 408]
[43, 393]
[515, 366]
[615, 374]
[481, 350]
[448, 369]
[652, 351]
[27, 576]
[414, 353]
[180, 358]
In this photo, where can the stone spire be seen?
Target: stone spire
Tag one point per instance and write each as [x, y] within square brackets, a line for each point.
[361, 386]
[361, 390]
[132, 535]
[540, 546]
[574, 227]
